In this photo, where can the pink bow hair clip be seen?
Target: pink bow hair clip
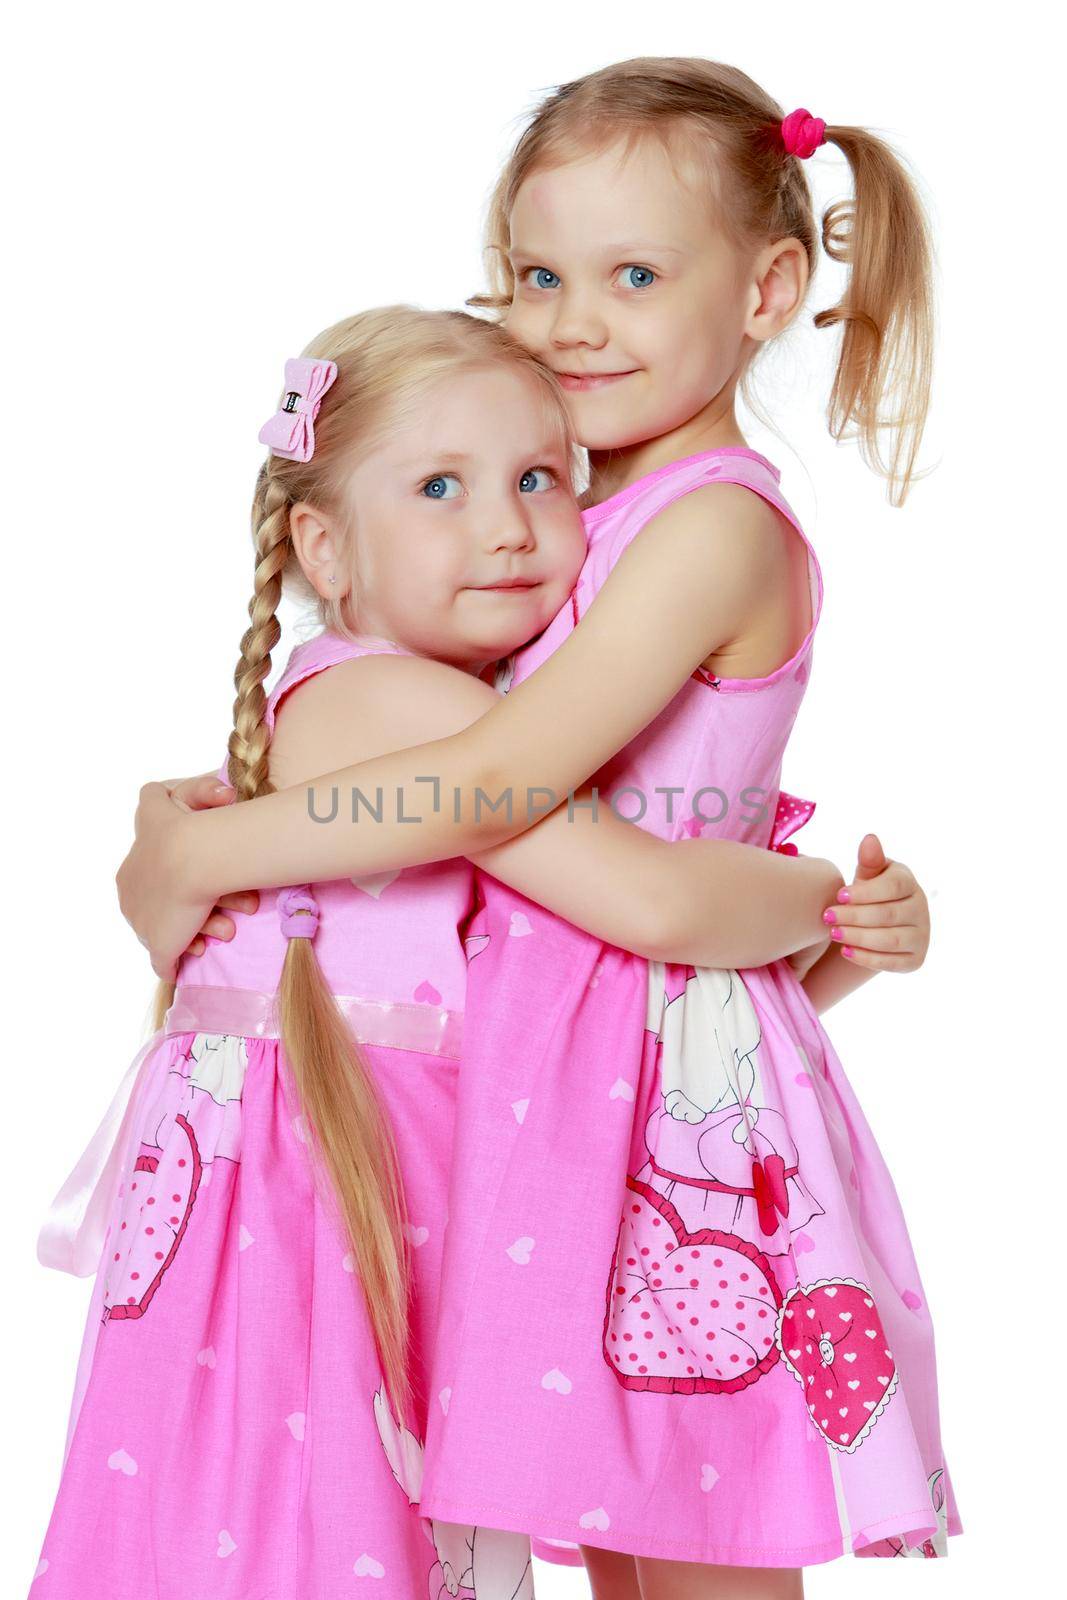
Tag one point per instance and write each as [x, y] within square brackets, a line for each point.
[291, 430]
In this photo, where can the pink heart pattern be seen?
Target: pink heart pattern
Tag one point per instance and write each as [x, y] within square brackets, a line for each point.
[156, 1213]
[688, 1313]
[832, 1340]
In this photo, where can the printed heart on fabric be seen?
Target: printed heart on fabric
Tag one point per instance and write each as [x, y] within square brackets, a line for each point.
[156, 1214]
[688, 1313]
[375, 883]
[833, 1342]
[367, 1567]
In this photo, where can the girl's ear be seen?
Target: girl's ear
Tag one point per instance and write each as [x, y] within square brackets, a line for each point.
[317, 550]
[779, 284]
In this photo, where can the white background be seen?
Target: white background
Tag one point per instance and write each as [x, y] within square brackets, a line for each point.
[191, 193]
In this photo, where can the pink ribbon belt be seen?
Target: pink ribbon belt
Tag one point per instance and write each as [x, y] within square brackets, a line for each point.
[396, 1024]
[72, 1237]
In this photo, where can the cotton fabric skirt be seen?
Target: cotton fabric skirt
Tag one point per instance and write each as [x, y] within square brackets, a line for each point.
[678, 1273]
[229, 1439]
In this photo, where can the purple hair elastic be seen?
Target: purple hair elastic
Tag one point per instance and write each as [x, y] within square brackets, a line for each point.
[299, 912]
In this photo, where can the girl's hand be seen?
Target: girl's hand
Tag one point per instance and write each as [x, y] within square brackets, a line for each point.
[883, 922]
[218, 924]
[202, 793]
[154, 895]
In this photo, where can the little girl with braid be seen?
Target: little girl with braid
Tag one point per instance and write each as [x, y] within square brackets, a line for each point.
[265, 1204]
[677, 1270]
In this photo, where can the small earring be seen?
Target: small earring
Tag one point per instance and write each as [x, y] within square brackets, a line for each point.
[332, 578]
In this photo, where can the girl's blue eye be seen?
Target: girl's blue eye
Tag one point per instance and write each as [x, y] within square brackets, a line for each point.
[542, 278]
[536, 481]
[438, 488]
[638, 277]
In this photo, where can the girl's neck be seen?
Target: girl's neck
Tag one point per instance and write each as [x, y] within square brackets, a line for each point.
[711, 429]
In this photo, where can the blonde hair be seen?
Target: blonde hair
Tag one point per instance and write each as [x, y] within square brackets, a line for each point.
[385, 359]
[882, 380]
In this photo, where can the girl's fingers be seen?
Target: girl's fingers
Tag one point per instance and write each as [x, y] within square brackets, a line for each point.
[244, 900]
[886, 914]
[219, 926]
[201, 793]
[896, 883]
[883, 941]
[879, 962]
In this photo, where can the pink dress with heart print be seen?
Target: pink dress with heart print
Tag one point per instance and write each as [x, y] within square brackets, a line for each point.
[681, 1316]
[227, 1441]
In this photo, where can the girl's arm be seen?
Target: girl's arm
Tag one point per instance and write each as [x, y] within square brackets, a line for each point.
[833, 978]
[712, 902]
[682, 590]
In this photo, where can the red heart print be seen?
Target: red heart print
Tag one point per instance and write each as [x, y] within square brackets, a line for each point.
[771, 1192]
[833, 1342]
[688, 1313]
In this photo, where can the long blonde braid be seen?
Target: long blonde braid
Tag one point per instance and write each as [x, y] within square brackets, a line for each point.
[250, 740]
[249, 744]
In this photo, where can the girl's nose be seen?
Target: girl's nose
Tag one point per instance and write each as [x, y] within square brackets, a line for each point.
[510, 529]
[578, 322]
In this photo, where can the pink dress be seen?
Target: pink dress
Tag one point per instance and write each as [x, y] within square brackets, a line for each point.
[227, 1439]
[681, 1316]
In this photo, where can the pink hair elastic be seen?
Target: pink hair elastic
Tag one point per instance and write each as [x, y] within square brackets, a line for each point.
[802, 134]
[299, 912]
[291, 430]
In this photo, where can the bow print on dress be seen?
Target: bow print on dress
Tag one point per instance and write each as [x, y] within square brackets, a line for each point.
[791, 813]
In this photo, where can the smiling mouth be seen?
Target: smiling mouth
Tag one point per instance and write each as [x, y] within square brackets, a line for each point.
[513, 583]
[591, 380]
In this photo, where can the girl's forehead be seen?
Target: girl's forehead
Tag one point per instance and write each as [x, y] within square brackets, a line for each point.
[472, 410]
[614, 196]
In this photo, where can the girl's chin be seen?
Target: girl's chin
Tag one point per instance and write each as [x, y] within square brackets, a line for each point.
[610, 428]
[505, 645]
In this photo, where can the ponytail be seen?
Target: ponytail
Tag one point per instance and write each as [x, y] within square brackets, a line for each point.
[882, 381]
[353, 1147]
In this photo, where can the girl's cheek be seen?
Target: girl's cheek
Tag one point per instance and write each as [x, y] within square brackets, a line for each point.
[514, 318]
[523, 324]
